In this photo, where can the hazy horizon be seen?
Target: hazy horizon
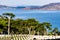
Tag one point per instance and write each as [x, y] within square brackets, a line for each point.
[27, 3]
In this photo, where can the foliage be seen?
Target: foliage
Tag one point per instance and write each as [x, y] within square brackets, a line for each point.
[28, 26]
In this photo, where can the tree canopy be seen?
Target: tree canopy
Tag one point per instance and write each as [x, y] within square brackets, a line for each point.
[28, 26]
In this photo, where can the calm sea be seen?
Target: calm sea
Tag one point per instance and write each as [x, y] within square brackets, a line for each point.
[42, 16]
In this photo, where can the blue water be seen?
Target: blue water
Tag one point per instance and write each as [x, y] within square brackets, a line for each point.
[42, 16]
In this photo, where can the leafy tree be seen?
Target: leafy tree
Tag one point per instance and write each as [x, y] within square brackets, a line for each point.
[47, 26]
[9, 16]
[55, 31]
[28, 26]
[31, 24]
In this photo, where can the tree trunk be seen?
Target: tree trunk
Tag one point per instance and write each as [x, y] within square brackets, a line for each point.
[29, 30]
[8, 25]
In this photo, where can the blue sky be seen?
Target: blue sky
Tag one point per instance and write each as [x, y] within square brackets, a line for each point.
[26, 2]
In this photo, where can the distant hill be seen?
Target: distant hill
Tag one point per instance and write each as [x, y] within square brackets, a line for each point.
[5, 7]
[51, 6]
[28, 7]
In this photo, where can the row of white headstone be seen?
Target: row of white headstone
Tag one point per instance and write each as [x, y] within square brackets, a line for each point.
[26, 37]
[16, 37]
[21, 37]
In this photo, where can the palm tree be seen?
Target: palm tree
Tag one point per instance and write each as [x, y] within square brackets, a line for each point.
[9, 16]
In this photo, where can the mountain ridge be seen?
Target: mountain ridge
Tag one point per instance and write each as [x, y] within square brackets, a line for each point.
[51, 6]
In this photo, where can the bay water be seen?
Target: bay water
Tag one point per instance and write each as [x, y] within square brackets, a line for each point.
[52, 17]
